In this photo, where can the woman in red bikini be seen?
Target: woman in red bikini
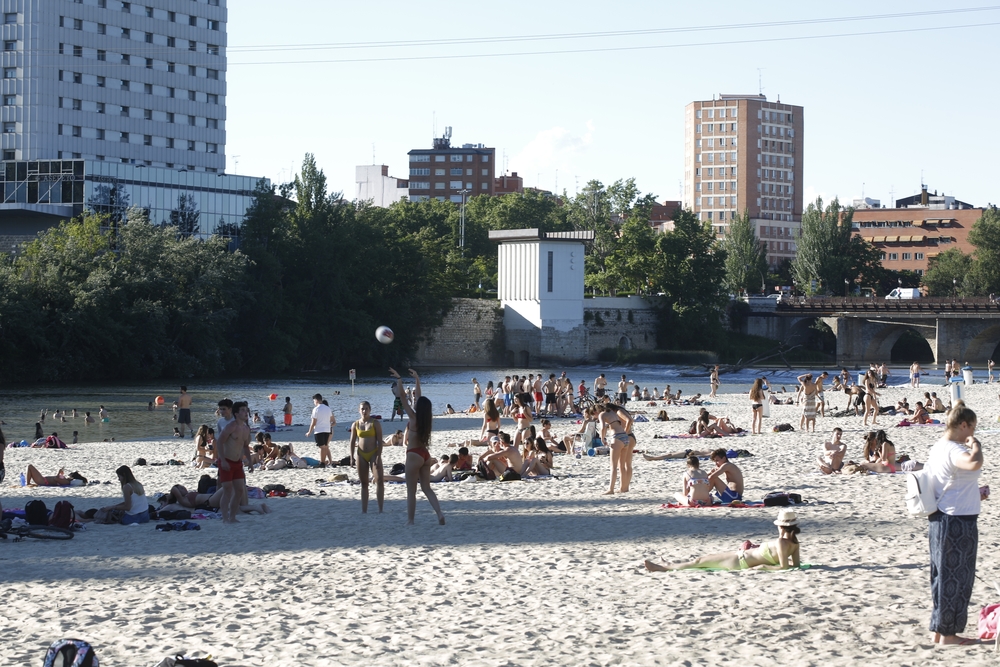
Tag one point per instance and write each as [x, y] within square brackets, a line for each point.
[418, 437]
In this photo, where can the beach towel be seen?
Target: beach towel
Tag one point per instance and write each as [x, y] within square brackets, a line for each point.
[741, 504]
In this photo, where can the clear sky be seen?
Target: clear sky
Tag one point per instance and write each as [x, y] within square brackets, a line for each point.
[887, 100]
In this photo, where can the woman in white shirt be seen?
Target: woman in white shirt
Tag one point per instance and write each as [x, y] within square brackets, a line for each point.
[135, 504]
[953, 467]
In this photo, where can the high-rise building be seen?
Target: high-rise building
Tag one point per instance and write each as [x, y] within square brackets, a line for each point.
[93, 83]
[743, 153]
[448, 173]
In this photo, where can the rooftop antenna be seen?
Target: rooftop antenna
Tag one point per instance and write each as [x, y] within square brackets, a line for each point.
[576, 184]
[892, 200]
[862, 190]
[373, 153]
[434, 125]
[557, 182]
[236, 160]
[760, 81]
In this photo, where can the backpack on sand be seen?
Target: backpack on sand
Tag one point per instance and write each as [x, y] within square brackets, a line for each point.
[36, 513]
[920, 500]
[70, 653]
[63, 515]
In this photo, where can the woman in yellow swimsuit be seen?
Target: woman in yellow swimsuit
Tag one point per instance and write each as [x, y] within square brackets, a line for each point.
[779, 554]
[366, 435]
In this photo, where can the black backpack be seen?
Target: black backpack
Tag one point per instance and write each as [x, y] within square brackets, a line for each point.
[36, 513]
[70, 653]
[205, 483]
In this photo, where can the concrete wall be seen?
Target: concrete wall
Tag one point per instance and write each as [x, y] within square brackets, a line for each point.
[7, 241]
[472, 335]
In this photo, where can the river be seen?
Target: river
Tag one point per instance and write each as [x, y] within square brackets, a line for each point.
[130, 418]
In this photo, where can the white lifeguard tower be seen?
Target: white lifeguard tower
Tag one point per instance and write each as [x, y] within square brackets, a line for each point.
[540, 287]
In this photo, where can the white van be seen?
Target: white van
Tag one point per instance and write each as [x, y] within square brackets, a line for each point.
[904, 293]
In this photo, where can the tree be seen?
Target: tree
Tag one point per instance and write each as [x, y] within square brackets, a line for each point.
[746, 260]
[828, 254]
[185, 217]
[949, 273]
[985, 235]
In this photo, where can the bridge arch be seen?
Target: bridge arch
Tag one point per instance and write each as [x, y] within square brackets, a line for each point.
[880, 346]
[983, 346]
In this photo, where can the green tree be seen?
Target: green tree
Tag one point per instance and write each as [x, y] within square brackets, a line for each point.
[185, 218]
[827, 254]
[985, 236]
[746, 260]
[950, 273]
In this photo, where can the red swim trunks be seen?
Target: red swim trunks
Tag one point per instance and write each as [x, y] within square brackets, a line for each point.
[235, 471]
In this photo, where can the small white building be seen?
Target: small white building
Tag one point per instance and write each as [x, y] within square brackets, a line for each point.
[376, 185]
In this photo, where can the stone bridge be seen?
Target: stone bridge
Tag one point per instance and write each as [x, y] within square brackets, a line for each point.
[867, 329]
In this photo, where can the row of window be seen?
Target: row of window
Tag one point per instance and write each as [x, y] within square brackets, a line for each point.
[776, 160]
[126, 59]
[127, 7]
[780, 246]
[129, 112]
[774, 203]
[711, 127]
[775, 188]
[67, 155]
[776, 146]
[710, 143]
[102, 28]
[710, 202]
[451, 185]
[466, 157]
[775, 131]
[710, 113]
[893, 256]
[714, 185]
[127, 138]
[776, 174]
[775, 231]
[457, 171]
[711, 171]
[123, 84]
[716, 157]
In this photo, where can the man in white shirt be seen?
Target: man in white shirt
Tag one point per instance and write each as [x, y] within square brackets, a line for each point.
[320, 427]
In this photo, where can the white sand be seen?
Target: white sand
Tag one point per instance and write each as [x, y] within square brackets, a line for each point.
[524, 573]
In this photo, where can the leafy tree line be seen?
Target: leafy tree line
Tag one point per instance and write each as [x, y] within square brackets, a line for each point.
[978, 274]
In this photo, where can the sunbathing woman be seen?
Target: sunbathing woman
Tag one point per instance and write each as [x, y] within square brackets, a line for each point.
[491, 426]
[697, 487]
[617, 420]
[679, 455]
[366, 435]
[179, 498]
[418, 459]
[35, 478]
[779, 554]
[885, 459]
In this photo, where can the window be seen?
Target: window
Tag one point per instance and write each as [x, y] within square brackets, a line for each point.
[549, 277]
[192, 121]
[486, 158]
[9, 100]
[906, 256]
[102, 29]
[100, 134]
[149, 38]
[9, 126]
[102, 55]
[126, 59]
[193, 20]
[77, 131]
[439, 186]
[100, 107]
[149, 12]
[213, 49]
[456, 171]
[192, 70]
[127, 7]
[457, 158]
[190, 145]
[171, 67]
[147, 140]
[9, 155]
[10, 45]
[469, 158]
[77, 105]
[439, 158]
[420, 171]
[10, 73]
[420, 185]
[126, 33]
[172, 17]
[149, 63]
[192, 46]
[212, 98]
[170, 144]
[171, 42]
[147, 114]
[420, 158]
[213, 25]
[10, 18]
[125, 85]
[100, 82]
[192, 95]
[439, 172]
[212, 74]
[918, 255]
[147, 88]
[125, 111]
[77, 24]
[212, 123]
[170, 116]
[455, 185]
[483, 186]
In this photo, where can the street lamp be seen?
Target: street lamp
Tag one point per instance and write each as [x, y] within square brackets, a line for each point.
[461, 231]
[846, 283]
[954, 289]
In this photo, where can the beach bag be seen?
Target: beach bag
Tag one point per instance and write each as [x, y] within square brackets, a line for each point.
[780, 428]
[987, 628]
[36, 514]
[920, 500]
[269, 488]
[174, 515]
[777, 499]
[70, 653]
[63, 515]
[397, 469]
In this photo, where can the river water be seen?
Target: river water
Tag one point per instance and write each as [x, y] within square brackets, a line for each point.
[130, 418]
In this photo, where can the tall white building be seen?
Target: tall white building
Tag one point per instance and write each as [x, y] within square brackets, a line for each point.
[377, 186]
[135, 83]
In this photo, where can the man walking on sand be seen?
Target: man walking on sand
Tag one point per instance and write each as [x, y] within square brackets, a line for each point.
[184, 412]
[232, 448]
[321, 426]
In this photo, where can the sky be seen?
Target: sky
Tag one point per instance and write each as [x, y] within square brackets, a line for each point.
[885, 87]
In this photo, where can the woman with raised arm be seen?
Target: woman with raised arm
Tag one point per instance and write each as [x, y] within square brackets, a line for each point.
[418, 437]
[366, 436]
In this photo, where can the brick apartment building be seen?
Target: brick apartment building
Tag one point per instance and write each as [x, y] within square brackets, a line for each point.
[505, 185]
[661, 218]
[446, 173]
[744, 153]
[919, 228]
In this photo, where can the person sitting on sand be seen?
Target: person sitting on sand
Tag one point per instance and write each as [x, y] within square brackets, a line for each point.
[538, 462]
[920, 415]
[465, 461]
[589, 417]
[546, 433]
[506, 456]
[832, 459]
[885, 460]
[938, 404]
[203, 457]
[179, 498]
[135, 504]
[697, 487]
[35, 478]
[678, 455]
[726, 479]
[779, 554]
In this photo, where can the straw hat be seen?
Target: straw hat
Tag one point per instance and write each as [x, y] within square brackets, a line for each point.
[786, 518]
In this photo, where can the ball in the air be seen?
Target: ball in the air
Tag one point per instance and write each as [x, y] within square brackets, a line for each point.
[384, 335]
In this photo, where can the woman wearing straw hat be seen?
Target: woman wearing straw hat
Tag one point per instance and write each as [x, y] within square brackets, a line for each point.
[779, 554]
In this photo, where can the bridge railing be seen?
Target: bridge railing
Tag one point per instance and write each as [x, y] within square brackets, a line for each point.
[880, 305]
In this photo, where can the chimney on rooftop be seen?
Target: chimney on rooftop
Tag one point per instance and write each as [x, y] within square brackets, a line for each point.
[923, 195]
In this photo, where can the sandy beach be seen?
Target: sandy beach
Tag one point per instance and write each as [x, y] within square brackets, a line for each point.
[524, 573]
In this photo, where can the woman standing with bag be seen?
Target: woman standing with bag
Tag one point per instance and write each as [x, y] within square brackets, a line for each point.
[953, 466]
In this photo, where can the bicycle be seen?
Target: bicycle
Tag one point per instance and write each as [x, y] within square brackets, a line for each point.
[20, 533]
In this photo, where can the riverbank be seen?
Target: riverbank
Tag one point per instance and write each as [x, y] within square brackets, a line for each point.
[529, 573]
